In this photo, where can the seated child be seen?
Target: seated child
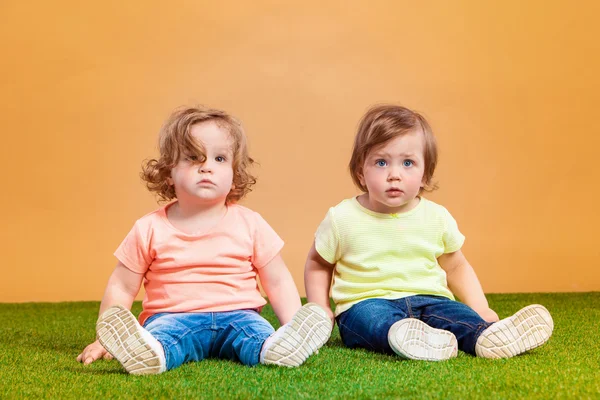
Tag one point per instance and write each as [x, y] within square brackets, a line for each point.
[396, 257]
[199, 257]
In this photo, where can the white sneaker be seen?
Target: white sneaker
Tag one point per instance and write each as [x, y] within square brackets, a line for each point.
[134, 347]
[414, 339]
[527, 329]
[297, 340]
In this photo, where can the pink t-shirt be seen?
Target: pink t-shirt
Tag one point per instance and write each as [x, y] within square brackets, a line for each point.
[205, 272]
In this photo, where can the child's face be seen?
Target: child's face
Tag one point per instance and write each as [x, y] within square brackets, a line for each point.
[211, 181]
[393, 173]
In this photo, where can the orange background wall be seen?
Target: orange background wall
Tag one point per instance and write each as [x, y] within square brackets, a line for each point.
[511, 89]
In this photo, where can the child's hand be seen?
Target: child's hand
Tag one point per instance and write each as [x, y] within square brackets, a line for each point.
[488, 315]
[93, 352]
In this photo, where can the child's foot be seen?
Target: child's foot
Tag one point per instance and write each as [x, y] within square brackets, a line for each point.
[414, 339]
[297, 340]
[133, 346]
[529, 328]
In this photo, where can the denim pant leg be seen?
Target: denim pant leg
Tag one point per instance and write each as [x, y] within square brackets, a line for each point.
[453, 316]
[240, 336]
[185, 337]
[366, 324]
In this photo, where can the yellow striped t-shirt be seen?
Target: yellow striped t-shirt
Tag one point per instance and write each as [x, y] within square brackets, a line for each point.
[387, 256]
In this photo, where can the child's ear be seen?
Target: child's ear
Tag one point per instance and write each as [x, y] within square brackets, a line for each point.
[170, 181]
[361, 177]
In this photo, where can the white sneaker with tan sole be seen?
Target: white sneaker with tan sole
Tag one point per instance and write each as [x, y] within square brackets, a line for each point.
[415, 340]
[297, 340]
[527, 329]
[134, 347]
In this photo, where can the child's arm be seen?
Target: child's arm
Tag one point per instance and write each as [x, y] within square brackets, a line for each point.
[463, 282]
[317, 280]
[123, 285]
[280, 288]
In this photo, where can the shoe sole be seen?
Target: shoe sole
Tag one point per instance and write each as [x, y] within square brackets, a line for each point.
[119, 332]
[413, 339]
[529, 328]
[307, 332]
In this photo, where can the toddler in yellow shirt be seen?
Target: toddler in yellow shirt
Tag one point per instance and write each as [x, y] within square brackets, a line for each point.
[395, 257]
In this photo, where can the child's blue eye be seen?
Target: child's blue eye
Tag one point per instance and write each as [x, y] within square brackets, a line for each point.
[381, 163]
[220, 159]
[408, 163]
[191, 158]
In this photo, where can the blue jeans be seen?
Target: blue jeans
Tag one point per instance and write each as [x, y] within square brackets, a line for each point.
[366, 324]
[233, 335]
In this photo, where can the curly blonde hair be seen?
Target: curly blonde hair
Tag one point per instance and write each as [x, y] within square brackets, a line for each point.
[175, 141]
[384, 122]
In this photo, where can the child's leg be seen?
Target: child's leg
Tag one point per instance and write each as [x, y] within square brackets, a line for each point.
[240, 335]
[386, 326]
[247, 337]
[527, 329]
[366, 324]
[185, 337]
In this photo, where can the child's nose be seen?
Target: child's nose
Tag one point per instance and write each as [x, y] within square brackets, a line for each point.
[394, 175]
[205, 167]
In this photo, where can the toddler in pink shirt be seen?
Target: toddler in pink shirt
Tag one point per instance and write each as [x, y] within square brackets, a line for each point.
[199, 257]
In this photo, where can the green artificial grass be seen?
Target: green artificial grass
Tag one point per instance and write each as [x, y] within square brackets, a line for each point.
[40, 341]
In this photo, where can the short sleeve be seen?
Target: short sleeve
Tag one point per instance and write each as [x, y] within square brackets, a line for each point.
[134, 251]
[452, 238]
[267, 244]
[327, 241]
